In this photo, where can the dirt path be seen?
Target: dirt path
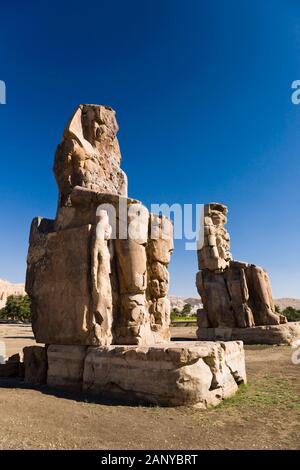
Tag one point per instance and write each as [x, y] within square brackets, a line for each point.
[263, 415]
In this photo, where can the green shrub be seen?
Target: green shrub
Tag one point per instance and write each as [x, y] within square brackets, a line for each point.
[17, 308]
[291, 314]
[184, 314]
[186, 311]
[175, 313]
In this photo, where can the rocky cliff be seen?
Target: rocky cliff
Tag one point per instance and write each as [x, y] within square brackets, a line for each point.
[7, 288]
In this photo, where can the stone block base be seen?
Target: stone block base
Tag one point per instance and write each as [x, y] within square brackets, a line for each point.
[65, 366]
[194, 373]
[35, 365]
[286, 333]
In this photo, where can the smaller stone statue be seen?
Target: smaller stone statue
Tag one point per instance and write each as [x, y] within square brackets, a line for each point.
[234, 294]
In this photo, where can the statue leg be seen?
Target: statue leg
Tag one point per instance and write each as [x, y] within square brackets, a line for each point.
[159, 249]
[260, 296]
[239, 294]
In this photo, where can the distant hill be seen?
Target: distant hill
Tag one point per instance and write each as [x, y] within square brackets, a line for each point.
[287, 302]
[179, 302]
[7, 288]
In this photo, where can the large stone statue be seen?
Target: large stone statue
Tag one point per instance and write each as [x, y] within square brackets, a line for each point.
[98, 279]
[234, 294]
[94, 276]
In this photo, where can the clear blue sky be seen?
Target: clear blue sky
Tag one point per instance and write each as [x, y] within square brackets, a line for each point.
[202, 92]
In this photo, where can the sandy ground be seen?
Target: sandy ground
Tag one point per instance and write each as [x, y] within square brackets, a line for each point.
[16, 337]
[264, 415]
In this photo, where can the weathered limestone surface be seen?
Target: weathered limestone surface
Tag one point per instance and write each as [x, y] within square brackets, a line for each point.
[35, 364]
[215, 253]
[58, 279]
[94, 275]
[201, 374]
[287, 333]
[65, 366]
[101, 284]
[234, 294]
[89, 154]
[159, 249]
[132, 325]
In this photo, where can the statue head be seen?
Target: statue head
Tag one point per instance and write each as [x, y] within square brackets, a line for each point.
[89, 155]
[217, 213]
[91, 125]
[215, 253]
[98, 123]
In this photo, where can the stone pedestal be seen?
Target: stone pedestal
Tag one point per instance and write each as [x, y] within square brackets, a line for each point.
[197, 373]
[35, 365]
[286, 333]
[65, 367]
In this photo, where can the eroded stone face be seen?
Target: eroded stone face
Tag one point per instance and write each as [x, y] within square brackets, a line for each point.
[89, 155]
[90, 284]
[234, 294]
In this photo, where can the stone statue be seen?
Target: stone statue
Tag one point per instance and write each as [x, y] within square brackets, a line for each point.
[234, 294]
[90, 284]
[98, 280]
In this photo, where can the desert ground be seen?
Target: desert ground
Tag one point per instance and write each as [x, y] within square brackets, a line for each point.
[265, 414]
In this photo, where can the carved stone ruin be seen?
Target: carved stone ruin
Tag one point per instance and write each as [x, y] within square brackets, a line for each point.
[87, 287]
[237, 297]
[98, 277]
